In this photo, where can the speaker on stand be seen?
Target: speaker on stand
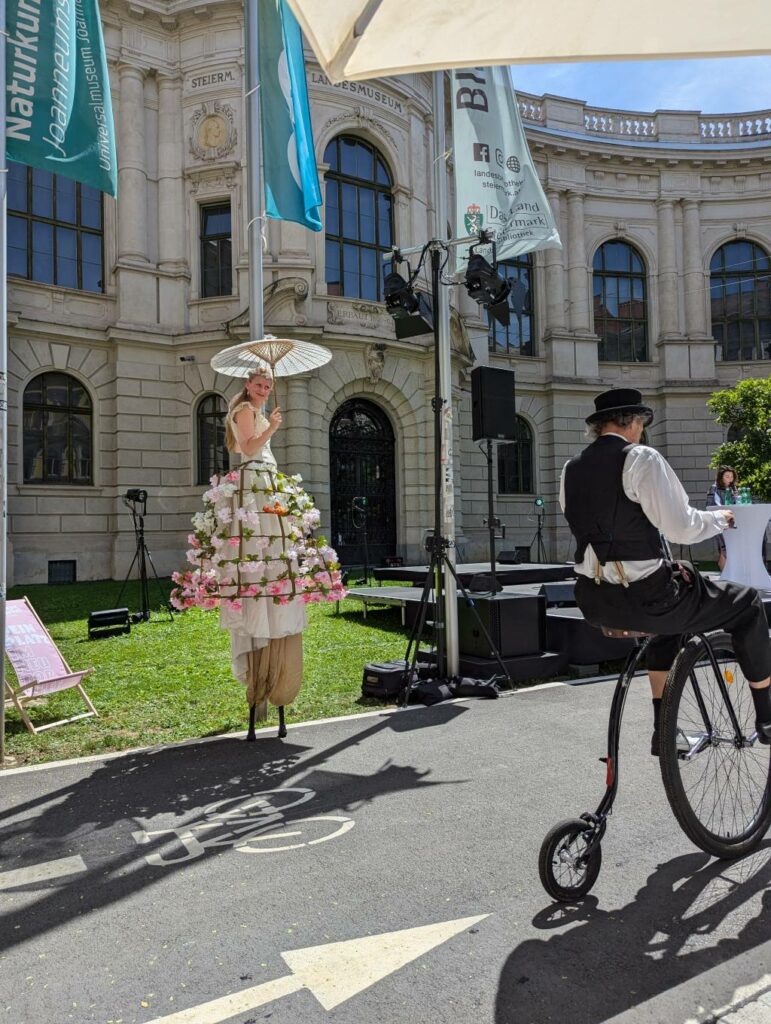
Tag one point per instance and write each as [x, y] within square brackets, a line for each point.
[493, 418]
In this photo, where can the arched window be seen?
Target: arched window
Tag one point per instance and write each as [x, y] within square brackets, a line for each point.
[515, 461]
[212, 450]
[359, 219]
[740, 290]
[57, 431]
[517, 338]
[620, 311]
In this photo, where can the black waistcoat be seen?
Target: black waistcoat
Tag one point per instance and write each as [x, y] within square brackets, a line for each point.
[599, 512]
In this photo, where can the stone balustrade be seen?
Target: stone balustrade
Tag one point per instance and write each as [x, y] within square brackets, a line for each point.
[662, 126]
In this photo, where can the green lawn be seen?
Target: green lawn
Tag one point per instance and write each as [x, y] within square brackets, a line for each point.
[171, 681]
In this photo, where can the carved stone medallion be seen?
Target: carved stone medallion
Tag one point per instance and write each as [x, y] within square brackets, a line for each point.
[213, 131]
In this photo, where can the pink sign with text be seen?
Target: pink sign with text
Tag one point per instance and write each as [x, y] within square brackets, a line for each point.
[39, 666]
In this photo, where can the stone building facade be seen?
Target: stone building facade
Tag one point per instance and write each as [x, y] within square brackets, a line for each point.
[665, 221]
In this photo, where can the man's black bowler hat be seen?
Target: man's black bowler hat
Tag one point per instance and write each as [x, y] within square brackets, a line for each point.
[619, 400]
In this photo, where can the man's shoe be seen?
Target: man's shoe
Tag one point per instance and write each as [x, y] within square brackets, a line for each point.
[763, 730]
[655, 743]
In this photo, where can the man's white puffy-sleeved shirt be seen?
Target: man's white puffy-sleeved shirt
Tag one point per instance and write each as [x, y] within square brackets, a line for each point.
[649, 480]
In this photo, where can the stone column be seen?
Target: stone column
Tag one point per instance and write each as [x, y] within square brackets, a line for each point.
[693, 279]
[668, 317]
[555, 272]
[577, 276]
[132, 174]
[172, 251]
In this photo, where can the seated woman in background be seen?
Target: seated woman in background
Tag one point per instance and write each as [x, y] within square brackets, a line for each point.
[725, 481]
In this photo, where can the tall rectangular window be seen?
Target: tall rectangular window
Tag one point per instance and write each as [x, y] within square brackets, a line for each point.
[216, 247]
[55, 230]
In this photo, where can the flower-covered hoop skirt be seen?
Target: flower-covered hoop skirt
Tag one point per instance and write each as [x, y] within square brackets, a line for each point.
[256, 558]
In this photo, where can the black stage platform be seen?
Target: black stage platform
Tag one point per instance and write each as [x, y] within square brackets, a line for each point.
[569, 638]
[530, 572]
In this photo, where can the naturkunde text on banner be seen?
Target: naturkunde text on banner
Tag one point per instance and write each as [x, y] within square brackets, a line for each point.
[58, 106]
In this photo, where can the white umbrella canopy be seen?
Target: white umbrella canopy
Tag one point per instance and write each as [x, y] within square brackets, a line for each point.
[285, 356]
[356, 39]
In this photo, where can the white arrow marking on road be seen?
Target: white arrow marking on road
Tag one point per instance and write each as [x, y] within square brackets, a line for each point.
[333, 972]
[42, 872]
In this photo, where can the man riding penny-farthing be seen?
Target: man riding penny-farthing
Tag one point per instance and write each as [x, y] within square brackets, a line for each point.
[702, 641]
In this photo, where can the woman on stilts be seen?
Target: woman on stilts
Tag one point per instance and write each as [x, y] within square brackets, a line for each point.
[256, 558]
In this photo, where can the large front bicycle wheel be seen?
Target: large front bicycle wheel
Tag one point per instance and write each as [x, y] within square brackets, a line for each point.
[718, 783]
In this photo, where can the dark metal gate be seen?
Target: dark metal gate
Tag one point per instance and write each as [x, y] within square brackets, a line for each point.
[361, 456]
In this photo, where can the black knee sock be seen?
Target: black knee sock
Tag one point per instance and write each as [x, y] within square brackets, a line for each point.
[656, 701]
[761, 698]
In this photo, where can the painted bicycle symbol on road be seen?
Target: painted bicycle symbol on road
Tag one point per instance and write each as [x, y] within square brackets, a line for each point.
[249, 823]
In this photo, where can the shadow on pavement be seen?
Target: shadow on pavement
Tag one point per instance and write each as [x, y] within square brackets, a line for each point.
[584, 975]
[98, 814]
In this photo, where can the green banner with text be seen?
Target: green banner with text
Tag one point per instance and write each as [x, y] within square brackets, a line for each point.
[58, 107]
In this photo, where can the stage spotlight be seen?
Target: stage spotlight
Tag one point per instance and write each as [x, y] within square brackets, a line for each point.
[411, 310]
[487, 287]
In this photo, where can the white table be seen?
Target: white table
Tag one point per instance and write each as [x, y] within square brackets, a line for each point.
[744, 547]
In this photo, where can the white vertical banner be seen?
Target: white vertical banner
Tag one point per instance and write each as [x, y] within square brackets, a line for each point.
[496, 185]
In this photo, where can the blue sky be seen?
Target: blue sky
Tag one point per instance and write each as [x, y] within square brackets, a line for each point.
[722, 85]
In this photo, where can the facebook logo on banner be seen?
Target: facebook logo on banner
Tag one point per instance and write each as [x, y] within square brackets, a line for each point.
[482, 152]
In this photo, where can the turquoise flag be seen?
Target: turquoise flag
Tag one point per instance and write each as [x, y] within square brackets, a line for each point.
[292, 189]
[58, 112]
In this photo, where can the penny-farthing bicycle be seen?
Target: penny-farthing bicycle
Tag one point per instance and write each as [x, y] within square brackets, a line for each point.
[717, 774]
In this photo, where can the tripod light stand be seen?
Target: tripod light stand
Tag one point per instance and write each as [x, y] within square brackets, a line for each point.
[359, 513]
[540, 511]
[413, 315]
[135, 501]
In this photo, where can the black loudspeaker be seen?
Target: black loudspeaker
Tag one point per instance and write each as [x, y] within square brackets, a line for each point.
[492, 404]
[559, 594]
[110, 622]
[516, 624]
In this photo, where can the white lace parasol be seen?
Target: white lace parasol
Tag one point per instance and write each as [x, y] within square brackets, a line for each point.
[285, 357]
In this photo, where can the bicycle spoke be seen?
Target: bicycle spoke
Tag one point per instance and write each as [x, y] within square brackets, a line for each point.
[724, 785]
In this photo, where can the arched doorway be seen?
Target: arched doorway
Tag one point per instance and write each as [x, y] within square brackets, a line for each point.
[361, 457]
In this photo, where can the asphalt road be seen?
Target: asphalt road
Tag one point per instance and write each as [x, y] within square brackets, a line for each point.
[149, 884]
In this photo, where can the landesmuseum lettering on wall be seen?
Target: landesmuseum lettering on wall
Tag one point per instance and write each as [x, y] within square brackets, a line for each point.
[116, 309]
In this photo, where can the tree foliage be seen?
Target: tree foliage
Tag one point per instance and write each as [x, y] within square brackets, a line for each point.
[746, 409]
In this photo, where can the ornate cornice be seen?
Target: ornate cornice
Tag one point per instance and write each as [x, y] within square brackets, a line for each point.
[358, 117]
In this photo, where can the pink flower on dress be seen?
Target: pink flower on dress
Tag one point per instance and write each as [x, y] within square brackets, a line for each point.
[234, 541]
[232, 476]
[235, 605]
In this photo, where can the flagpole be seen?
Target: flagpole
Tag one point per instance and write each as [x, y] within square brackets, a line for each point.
[442, 314]
[3, 388]
[253, 169]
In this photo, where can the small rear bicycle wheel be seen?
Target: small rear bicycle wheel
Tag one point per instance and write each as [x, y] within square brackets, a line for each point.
[719, 788]
[567, 871]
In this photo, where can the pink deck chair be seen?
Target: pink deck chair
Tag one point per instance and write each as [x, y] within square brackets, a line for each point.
[40, 668]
